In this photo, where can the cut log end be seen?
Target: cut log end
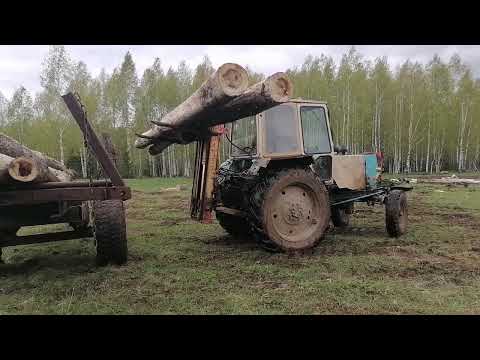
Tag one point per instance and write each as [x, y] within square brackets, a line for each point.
[279, 87]
[142, 143]
[233, 79]
[23, 169]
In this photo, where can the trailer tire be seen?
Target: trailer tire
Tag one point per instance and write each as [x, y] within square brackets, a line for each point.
[110, 232]
[396, 213]
[341, 215]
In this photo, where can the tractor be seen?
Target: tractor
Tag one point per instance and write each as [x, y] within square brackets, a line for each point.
[286, 182]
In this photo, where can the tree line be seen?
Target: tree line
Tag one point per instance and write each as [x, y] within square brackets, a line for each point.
[422, 116]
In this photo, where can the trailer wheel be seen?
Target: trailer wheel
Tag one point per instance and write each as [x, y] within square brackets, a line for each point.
[396, 213]
[341, 215]
[234, 225]
[110, 232]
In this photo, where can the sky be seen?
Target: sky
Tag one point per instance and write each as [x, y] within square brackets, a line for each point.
[21, 64]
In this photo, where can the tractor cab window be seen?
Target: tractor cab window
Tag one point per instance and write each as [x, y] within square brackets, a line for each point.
[244, 136]
[315, 130]
[281, 130]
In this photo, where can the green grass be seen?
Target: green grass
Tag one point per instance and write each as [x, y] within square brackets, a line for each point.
[156, 184]
[178, 266]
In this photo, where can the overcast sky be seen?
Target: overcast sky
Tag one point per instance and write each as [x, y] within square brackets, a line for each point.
[20, 65]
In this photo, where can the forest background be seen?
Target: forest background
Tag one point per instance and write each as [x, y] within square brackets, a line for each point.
[423, 116]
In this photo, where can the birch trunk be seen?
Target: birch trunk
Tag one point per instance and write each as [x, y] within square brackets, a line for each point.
[60, 141]
[427, 160]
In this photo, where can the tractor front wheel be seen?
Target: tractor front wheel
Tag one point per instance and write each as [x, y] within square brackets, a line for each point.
[396, 213]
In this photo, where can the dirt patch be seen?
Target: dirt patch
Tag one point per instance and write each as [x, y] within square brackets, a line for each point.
[461, 219]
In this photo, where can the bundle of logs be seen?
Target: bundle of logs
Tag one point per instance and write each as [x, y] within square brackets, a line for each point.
[19, 164]
[223, 98]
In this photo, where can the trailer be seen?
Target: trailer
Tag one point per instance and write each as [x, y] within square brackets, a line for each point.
[92, 208]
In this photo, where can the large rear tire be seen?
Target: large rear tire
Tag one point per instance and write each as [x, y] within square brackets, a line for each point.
[110, 232]
[396, 213]
[294, 210]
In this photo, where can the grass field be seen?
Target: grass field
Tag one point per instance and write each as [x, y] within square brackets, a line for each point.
[177, 266]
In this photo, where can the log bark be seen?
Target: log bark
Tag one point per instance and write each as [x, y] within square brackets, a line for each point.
[54, 164]
[229, 81]
[274, 90]
[5, 161]
[12, 148]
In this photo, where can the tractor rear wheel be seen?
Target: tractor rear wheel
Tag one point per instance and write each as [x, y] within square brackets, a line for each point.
[294, 210]
[341, 215]
[396, 213]
[110, 232]
[234, 225]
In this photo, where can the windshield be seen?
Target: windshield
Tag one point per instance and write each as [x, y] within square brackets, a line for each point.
[281, 129]
[244, 136]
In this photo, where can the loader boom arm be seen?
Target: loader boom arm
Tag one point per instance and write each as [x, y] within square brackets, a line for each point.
[207, 161]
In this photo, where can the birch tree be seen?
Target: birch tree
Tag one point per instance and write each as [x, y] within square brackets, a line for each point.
[55, 78]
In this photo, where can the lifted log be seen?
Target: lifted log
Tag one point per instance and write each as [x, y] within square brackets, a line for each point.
[274, 90]
[229, 81]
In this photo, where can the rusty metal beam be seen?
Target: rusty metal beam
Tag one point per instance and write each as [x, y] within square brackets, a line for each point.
[43, 238]
[64, 194]
[93, 142]
[56, 185]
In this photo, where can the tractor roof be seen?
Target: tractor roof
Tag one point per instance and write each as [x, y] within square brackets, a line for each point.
[300, 100]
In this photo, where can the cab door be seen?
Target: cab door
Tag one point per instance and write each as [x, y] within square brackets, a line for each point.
[317, 138]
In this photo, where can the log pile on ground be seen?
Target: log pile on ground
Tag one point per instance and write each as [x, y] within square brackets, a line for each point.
[452, 181]
[223, 98]
[19, 164]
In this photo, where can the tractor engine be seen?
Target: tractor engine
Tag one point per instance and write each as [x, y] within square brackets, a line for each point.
[234, 185]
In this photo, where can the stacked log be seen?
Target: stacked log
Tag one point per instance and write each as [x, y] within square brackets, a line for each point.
[19, 164]
[222, 99]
